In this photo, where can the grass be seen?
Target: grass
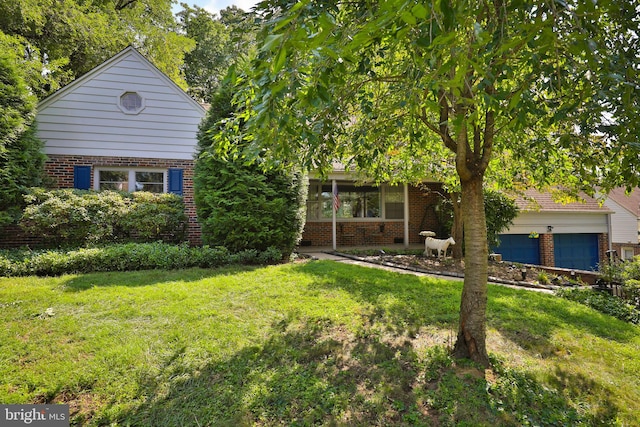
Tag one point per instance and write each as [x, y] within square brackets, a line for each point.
[317, 343]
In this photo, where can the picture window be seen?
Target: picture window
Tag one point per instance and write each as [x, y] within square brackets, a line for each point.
[131, 180]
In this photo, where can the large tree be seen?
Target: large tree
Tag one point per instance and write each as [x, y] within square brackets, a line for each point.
[550, 87]
[71, 37]
[221, 42]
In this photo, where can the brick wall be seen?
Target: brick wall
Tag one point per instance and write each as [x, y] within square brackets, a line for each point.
[422, 216]
[547, 256]
[618, 248]
[12, 236]
[60, 169]
[603, 247]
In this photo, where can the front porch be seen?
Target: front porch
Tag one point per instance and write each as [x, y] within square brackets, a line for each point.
[370, 216]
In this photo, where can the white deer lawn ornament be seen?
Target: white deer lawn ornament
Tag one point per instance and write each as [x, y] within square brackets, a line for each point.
[439, 245]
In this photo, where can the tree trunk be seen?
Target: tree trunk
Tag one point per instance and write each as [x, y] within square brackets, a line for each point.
[456, 228]
[471, 341]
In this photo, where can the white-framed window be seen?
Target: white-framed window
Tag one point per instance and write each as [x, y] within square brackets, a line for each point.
[125, 179]
[627, 253]
[131, 102]
[357, 202]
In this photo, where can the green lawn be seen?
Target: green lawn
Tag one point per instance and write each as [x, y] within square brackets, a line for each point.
[317, 343]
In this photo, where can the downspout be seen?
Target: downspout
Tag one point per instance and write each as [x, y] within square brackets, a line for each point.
[609, 231]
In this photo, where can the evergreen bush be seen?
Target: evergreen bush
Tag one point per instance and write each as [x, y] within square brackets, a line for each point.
[242, 206]
[21, 157]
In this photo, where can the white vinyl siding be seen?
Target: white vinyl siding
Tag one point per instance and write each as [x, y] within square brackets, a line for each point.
[624, 224]
[562, 223]
[86, 119]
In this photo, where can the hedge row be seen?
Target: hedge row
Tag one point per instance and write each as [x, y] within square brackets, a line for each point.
[75, 217]
[127, 257]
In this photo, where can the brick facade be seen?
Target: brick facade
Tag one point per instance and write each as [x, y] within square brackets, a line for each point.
[619, 246]
[547, 256]
[60, 169]
[603, 246]
[422, 216]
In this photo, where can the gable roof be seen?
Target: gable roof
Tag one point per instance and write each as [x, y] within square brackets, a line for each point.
[534, 200]
[630, 202]
[130, 50]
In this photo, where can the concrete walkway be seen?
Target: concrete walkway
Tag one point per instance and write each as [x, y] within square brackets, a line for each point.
[352, 260]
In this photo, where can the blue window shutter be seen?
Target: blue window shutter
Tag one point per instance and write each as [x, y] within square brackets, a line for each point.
[82, 177]
[175, 181]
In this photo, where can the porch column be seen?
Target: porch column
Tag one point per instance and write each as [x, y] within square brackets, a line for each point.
[406, 216]
[334, 192]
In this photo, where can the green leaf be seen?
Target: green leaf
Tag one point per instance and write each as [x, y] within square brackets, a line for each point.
[408, 17]
[270, 42]
[515, 100]
[280, 60]
[419, 11]
[324, 94]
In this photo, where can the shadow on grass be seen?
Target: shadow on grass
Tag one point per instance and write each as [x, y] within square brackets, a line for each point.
[306, 374]
[317, 372]
[409, 302]
[82, 282]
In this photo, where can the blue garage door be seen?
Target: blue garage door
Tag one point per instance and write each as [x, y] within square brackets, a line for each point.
[579, 251]
[519, 248]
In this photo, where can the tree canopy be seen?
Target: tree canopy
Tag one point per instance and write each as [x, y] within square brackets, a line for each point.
[69, 38]
[549, 90]
[221, 42]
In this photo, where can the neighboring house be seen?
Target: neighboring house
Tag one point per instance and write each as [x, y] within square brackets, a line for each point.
[625, 221]
[126, 126]
[545, 232]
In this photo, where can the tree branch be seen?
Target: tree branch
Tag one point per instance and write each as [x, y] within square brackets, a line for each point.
[121, 4]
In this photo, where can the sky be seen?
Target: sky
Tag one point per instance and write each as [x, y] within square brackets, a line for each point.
[214, 6]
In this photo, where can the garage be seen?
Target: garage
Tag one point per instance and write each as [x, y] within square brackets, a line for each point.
[519, 248]
[578, 251]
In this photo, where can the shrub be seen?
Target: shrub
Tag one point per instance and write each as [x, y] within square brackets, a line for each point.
[242, 208]
[627, 274]
[74, 217]
[239, 205]
[500, 211]
[127, 257]
[603, 302]
[154, 216]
